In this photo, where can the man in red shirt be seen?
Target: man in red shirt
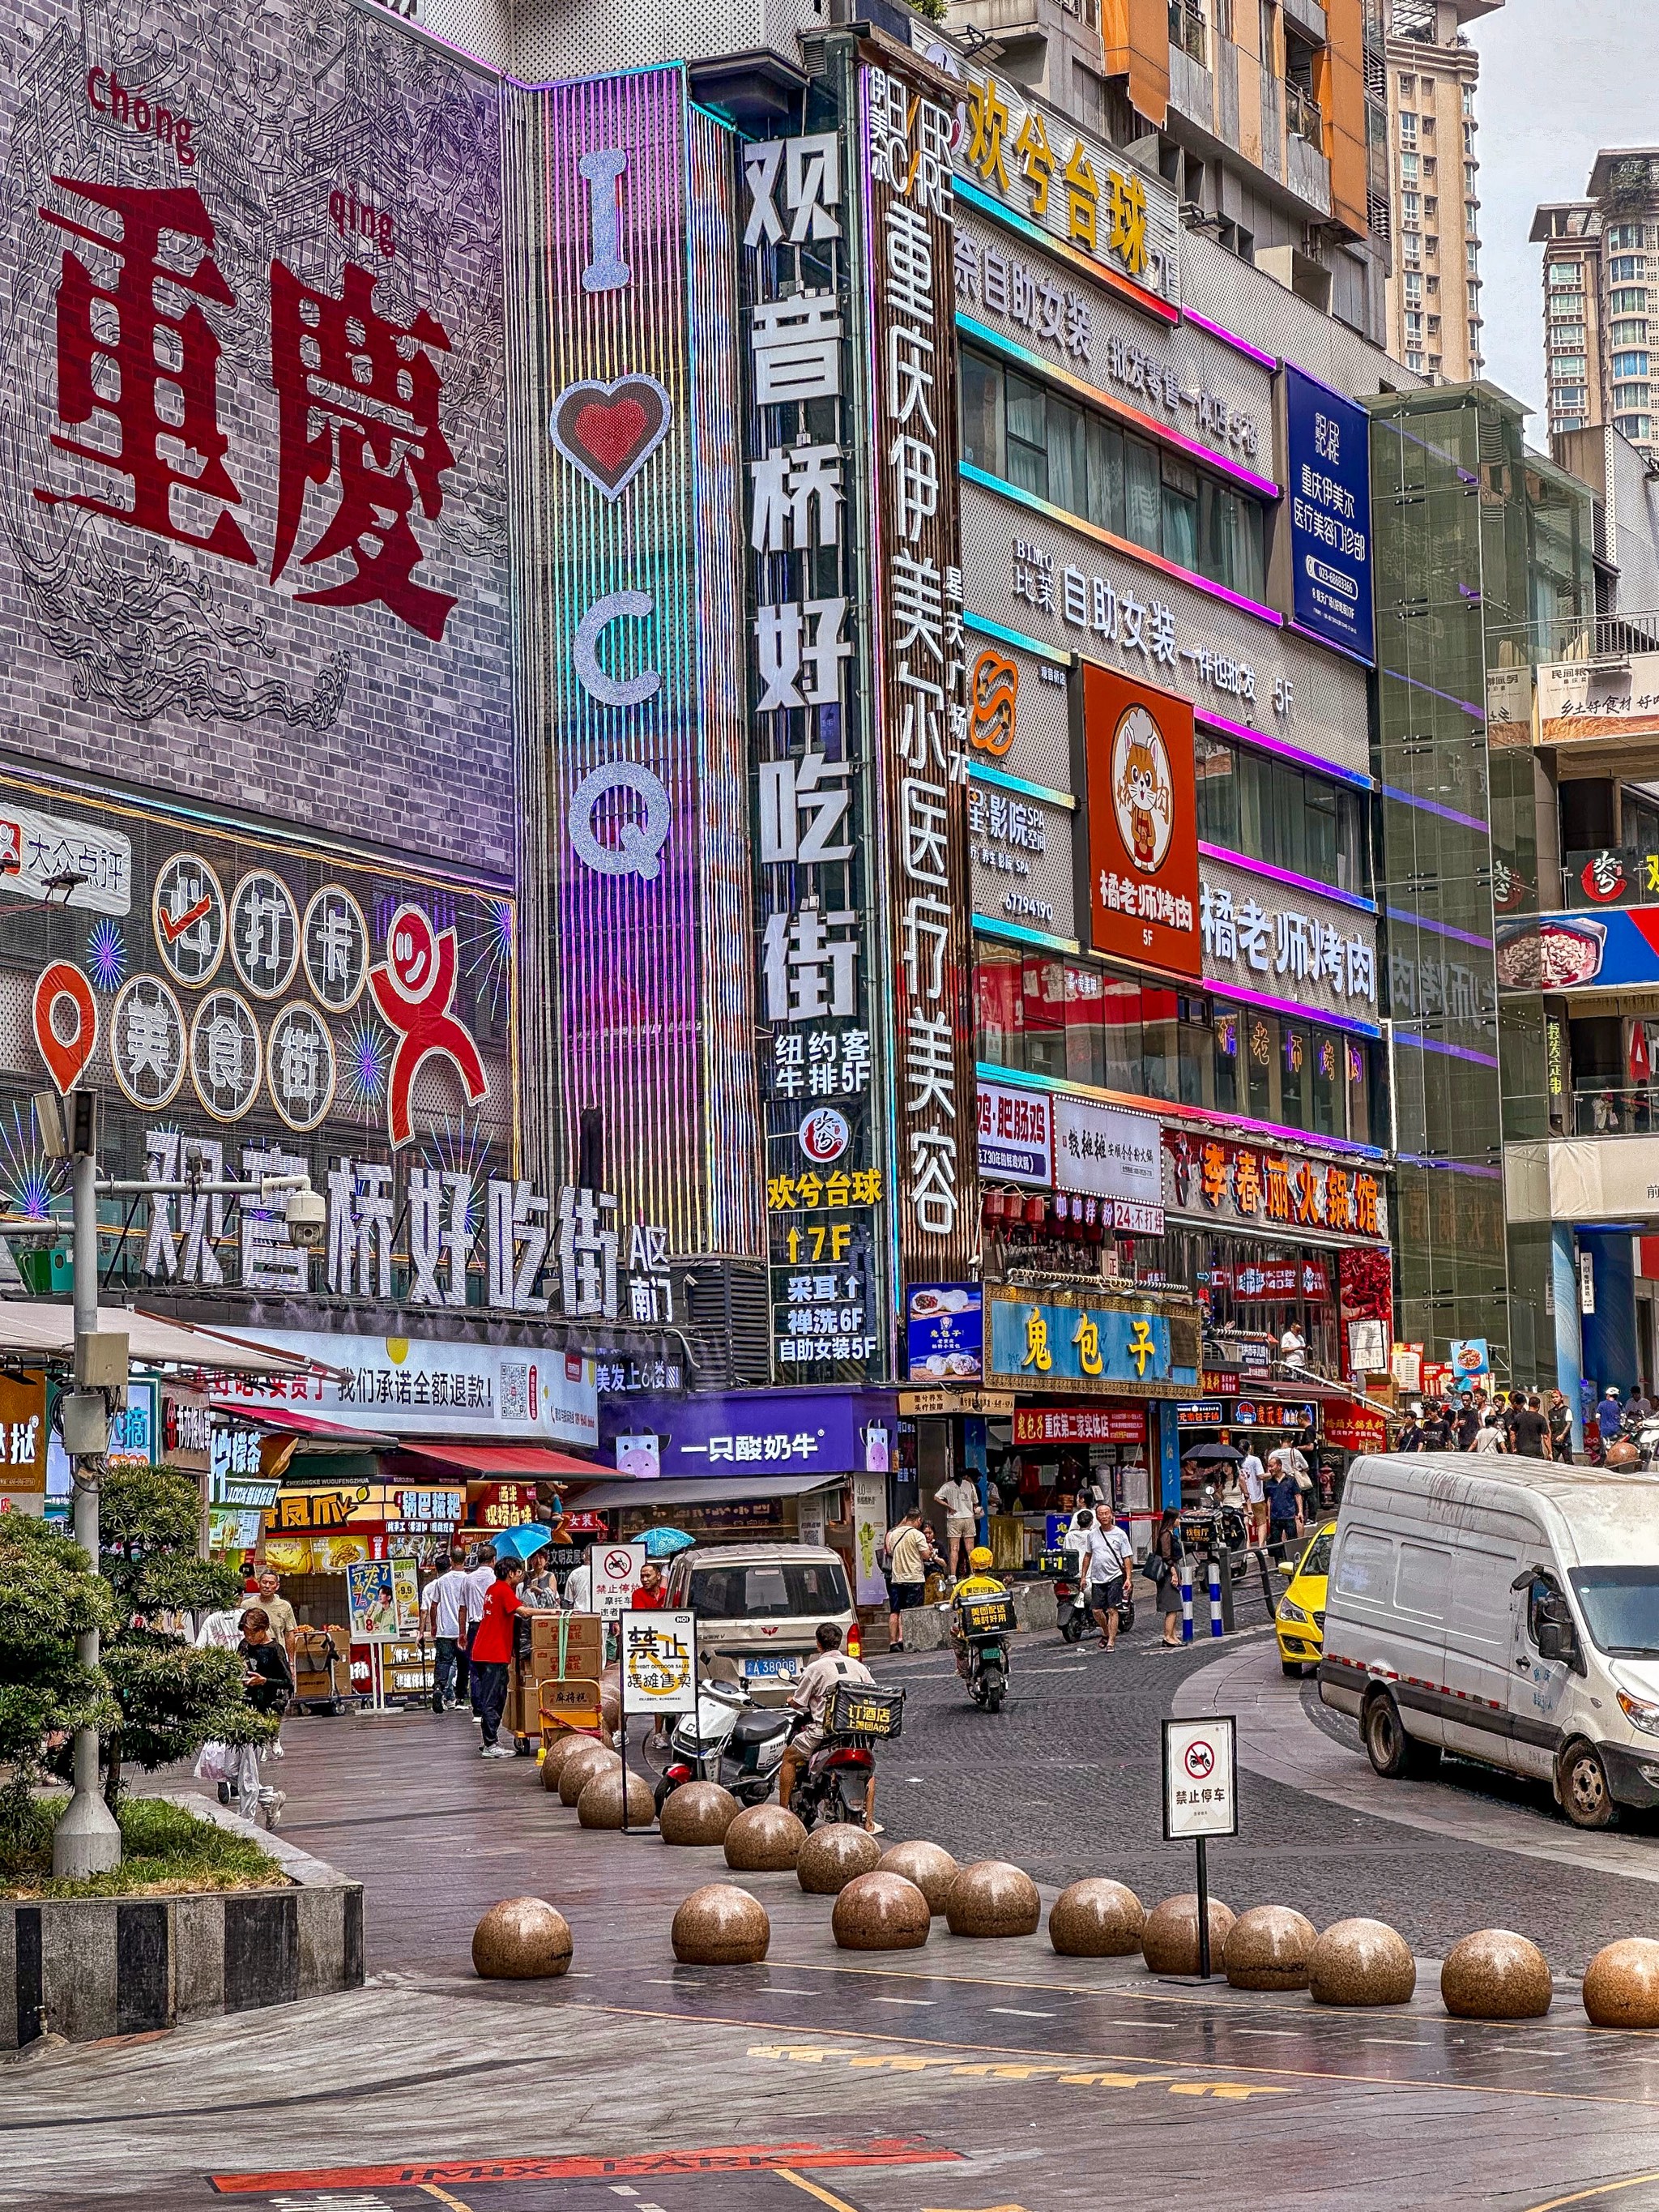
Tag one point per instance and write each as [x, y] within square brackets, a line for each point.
[650, 1594]
[492, 1654]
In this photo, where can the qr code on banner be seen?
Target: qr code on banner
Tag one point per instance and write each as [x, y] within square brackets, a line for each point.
[516, 1391]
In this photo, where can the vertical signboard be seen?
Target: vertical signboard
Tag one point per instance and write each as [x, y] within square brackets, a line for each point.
[1329, 476]
[646, 977]
[1143, 824]
[917, 664]
[817, 952]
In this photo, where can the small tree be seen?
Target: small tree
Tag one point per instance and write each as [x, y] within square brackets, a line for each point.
[171, 1697]
[48, 1597]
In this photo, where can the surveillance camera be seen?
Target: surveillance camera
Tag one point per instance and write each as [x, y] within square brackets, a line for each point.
[307, 1214]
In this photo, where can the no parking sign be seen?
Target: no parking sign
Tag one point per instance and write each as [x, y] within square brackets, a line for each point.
[616, 1569]
[1200, 1796]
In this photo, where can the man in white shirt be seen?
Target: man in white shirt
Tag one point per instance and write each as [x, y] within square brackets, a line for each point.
[479, 1580]
[1108, 1561]
[578, 1588]
[1254, 1476]
[1293, 1348]
[960, 1499]
[813, 1695]
[441, 1601]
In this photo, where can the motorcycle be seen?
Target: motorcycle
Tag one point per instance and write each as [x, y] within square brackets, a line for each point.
[982, 1627]
[838, 1780]
[729, 1740]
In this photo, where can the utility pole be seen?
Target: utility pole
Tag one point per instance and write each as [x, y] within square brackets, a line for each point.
[86, 1840]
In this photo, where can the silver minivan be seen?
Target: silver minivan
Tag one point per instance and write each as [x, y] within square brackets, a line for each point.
[759, 1607]
[1504, 1609]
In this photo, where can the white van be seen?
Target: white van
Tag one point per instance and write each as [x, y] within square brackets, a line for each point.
[1504, 1609]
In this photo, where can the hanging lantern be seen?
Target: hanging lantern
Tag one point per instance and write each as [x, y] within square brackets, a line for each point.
[1036, 1212]
[991, 1206]
[1062, 1206]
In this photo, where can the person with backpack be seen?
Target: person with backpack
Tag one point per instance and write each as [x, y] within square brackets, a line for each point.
[905, 1556]
[1164, 1566]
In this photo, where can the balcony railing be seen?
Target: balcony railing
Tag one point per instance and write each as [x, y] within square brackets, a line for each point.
[1302, 117]
[1587, 637]
[1188, 31]
[1616, 1113]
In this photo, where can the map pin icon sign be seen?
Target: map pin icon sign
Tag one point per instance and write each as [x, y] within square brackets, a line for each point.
[65, 1022]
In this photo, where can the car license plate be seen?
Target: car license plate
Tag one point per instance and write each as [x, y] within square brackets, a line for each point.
[779, 1668]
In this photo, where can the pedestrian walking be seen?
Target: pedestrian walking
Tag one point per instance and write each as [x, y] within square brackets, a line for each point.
[960, 1499]
[269, 1682]
[491, 1656]
[1108, 1563]
[442, 1603]
[1530, 1436]
[1284, 1508]
[1164, 1566]
[1254, 1477]
[480, 1580]
[278, 1612]
[1490, 1437]
[909, 1550]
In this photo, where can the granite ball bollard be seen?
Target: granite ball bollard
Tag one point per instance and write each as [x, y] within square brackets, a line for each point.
[1268, 1948]
[522, 1939]
[1096, 1919]
[697, 1812]
[880, 1911]
[721, 1925]
[929, 1866]
[600, 1805]
[1495, 1975]
[609, 1710]
[557, 1751]
[993, 1899]
[764, 1839]
[1621, 1985]
[580, 1768]
[1168, 1942]
[1362, 1962]
[831, 1857]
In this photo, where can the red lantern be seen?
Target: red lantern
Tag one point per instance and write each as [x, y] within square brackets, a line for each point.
[991, 1206]
[1036, 1212]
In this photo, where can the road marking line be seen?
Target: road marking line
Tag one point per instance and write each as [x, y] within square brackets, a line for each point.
[444, 2196]
[924, 2004]
[1588, 2196]
[1015, 2012]
[812, 2188]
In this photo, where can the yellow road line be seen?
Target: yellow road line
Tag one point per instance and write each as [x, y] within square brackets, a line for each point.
[444, 2196]
[1588, 2196]
[814, 2189]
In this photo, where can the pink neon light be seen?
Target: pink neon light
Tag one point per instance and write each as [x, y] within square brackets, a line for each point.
[1229, 337]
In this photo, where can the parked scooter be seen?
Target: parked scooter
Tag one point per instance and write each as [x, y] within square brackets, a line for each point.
[838, 1782]
[1071, 1610]
[729, 1740]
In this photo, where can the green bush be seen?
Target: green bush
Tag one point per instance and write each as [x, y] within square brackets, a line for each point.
[164, 1846]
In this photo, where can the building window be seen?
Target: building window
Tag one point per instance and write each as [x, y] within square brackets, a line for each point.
[1408, 168]
[1412, 243]
[1407, 130]
[1469, 137]
[1566, 276]
[1632, 302]
[1414, 361]
[1568, 421]
[1472, 220]
[1623, 237]
[1630, 364]
[1472, 258]
[1474, 297]
[1016, 428]
[1414, 330]
[1470, 170]
[1626, 269]
[1407, 87]
[1637, 428]
[1567, 395]
[1631, 333]
[1410, 209]
[1414, 286]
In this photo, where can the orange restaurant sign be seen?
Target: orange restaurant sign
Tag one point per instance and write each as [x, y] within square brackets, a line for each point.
[1266, 1188]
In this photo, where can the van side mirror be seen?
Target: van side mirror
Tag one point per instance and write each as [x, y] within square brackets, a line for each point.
[1557, 1641]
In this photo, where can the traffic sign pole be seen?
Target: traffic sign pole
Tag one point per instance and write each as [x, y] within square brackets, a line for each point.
[1200, 1800]
[1203, 1911]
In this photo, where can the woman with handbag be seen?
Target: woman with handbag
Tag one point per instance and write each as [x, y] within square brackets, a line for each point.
[1164, 1566]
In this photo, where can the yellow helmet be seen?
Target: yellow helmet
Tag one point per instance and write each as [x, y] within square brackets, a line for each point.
[980, 1559]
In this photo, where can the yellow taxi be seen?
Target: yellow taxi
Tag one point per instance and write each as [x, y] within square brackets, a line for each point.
[1300, 1622]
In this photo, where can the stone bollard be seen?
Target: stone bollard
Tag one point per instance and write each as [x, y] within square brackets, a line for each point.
[721, 1925]
[880, 1912]
[522, 1939]
[1495, 1975]
[1096, 1919]
[1361, 1962]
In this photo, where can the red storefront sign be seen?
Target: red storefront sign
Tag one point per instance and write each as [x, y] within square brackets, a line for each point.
[500, 1504]
[1064, 1424]
[1356, 1428]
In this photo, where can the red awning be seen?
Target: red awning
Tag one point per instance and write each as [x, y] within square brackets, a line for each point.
[283, 1420]
[505, 1462]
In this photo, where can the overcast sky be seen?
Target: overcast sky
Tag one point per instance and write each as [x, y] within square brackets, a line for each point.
[1559, 79]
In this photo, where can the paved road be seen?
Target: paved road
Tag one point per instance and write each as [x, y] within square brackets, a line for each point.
[961, 2078]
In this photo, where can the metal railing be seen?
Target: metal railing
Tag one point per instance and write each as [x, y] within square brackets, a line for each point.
[1588, 637]
[1616, 1113]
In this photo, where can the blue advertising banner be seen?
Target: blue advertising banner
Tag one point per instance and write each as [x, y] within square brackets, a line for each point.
[1617, 949]
[1082, 1347]
[944, 1328]
[1329, 476]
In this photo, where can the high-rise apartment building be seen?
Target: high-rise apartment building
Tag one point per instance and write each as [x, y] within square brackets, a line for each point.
[1434, 289]
[1601, 269]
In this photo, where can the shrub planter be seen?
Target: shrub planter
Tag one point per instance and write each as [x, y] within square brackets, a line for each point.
[88, 1967]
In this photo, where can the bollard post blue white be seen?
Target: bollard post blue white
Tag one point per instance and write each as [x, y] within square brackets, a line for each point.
[1186, 1602]
[1215, 1596]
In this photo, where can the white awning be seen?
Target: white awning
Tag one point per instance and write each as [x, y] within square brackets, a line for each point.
[34, 1329]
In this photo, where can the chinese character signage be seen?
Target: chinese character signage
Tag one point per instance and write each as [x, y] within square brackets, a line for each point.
[1016, 1136]
[827, 1199]
[1020, 851]
[1076, 1424]
[23, 1434]
[1288, 945]
[919, 664]
[1581, 699]
[254, 546]
[1107, 1151]
[1264, 1187]
[1026, 159]
[1108, 1345]
[1329, 471]
[761, 1432]
[1143, 824]
[633, 659]
[404, 1386]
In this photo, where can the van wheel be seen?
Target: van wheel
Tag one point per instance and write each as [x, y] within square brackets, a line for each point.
[1585, 1797]
[1392, 1752]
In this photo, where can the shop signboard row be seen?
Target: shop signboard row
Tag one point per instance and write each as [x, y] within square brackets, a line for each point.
[1566, 702]
[1245, 1413]
[1178, 377]
[1066, 588]
[1079, 1424]
[1107, 1345]
[1021, 866]
[409, 1386]
[1271, 1186]
[1287, 943]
